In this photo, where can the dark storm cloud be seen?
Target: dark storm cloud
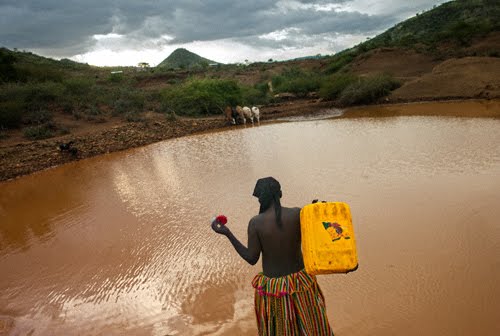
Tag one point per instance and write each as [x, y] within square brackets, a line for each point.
[67, 27]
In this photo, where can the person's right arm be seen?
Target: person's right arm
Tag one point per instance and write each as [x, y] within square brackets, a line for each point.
[251, 253]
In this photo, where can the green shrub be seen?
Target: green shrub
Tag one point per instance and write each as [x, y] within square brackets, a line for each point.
[40, 94]
[78, 86]
[254, 95]
[33, 95]
[116, 78]
[37, 116]
[332, 87]
[128, 101]
[201, 97]
[367, 90]
[39, 73]
[39, 132]
[93, 110]
[301, 86]
[339, 61]
[11, 113]
[297, 81]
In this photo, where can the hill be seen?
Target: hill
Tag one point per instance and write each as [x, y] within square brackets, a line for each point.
[184, 59]
[444, 30]
[17, 66]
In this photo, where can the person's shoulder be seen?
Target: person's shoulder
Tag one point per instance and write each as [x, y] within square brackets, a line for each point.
[294, 209]
[256, 223]
[255, 220]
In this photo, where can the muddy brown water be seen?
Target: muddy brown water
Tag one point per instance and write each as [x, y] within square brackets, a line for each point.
[121, 244]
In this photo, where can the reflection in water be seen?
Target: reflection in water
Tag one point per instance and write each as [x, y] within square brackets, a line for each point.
[121, 244]
[27, 209]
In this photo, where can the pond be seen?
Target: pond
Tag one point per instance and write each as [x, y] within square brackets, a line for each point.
[121, 244]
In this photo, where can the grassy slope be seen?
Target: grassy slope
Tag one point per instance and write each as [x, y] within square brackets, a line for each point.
[457, 21]
[444, 31]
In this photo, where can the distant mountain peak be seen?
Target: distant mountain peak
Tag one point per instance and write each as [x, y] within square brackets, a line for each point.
[184, 59]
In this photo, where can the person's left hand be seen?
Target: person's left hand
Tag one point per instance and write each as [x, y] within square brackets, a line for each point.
[219, 228]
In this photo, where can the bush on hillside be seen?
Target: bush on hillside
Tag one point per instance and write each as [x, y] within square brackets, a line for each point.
[39, 73]
[256, 95]
[463, 32]
[128, 101]
[115, 78]
[332, 87]
[201, 97]
[39, 132]
[37, 95]
[11, 114]
[339, 61]
[37, 116]
[367, 90]
[28, 103]
[78, 86]
[296, 81]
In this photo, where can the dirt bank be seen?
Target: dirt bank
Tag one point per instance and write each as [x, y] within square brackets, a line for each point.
[463, 78]
[20, 157]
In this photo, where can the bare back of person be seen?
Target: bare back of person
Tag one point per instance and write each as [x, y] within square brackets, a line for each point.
[275, 234]
[280, 246]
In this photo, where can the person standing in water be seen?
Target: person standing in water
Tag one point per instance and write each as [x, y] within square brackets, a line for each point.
[288, 301]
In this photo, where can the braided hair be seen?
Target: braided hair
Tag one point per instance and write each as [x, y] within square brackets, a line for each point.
[268, 191]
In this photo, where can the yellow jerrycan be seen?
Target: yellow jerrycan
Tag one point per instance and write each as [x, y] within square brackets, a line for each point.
[328, 243]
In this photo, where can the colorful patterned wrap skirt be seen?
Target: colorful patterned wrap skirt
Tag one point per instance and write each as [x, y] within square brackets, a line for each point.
[290, 305]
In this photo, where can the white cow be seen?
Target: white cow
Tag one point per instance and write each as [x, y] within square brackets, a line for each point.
[256, 114]
[245, 113]
[248, 113]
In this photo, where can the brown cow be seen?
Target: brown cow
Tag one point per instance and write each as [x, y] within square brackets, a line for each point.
[229, 115]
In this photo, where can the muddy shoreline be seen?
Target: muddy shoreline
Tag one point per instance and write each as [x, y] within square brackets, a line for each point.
[28, 157]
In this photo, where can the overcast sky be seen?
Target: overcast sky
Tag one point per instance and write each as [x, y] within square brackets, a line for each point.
[126, 32]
